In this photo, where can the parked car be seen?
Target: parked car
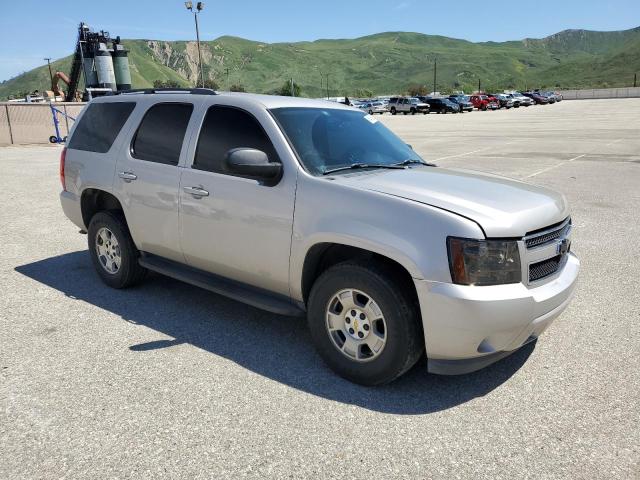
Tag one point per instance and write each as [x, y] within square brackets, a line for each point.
[520, 100]
[374, 107]
[482, 102]
[504, 100]
[552, 96]
[548, 95]
[537, 98]
[463, 102]
[441, 105]
[408, 105]
[306, 207]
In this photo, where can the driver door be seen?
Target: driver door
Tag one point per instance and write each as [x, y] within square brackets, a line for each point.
[236, 227]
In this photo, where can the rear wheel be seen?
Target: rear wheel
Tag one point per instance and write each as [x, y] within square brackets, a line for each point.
[393, 110]
[364, 324]
[413, 111]
[112, 250]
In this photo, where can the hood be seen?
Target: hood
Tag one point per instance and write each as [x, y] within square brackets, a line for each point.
[501, 206]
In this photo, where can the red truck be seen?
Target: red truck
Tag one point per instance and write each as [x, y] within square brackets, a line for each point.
[484, 102]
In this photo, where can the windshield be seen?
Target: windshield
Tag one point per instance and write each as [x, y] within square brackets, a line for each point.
[327, 138]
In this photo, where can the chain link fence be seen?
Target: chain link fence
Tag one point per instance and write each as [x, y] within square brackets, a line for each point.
[24, 123]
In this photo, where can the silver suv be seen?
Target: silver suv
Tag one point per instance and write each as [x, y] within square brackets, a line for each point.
[306, 207]
[407, 105]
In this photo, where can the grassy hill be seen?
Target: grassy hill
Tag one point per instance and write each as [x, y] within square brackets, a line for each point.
[383, 63]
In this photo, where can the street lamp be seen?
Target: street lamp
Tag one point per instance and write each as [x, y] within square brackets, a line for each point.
[198, 9]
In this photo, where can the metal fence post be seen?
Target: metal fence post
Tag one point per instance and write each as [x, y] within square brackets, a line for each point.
[6, 108]
[66, 118]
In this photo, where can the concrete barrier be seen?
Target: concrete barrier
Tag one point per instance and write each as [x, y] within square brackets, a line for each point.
[585, 94]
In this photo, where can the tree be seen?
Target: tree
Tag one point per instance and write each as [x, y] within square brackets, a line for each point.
[364, 93]
[285, 90]
[418, 90]
[236, 87]
[212, 84]
[165, 84]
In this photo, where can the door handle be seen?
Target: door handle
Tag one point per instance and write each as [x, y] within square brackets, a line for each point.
[196, 191]
[127, 176]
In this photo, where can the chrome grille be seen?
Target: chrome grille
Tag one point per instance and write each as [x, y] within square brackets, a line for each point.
[540, 270]
[548, 236]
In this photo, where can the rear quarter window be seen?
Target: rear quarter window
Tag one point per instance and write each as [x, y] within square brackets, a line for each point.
[100, 125]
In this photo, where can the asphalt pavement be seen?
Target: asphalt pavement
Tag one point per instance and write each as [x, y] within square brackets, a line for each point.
[170, 381]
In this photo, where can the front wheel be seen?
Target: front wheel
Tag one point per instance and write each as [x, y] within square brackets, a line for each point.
[364, 323]
[393, 111]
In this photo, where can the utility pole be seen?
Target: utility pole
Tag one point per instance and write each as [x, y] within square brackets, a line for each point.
[635, 80]
[435, 73]
[327, 86]
[226, 71]
[199, 7]
[51, 73]
[479, 89]
[293, 92]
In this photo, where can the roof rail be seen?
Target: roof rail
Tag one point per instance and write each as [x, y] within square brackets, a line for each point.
[148, 91]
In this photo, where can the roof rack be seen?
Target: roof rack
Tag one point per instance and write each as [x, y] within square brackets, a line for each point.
[148, 91]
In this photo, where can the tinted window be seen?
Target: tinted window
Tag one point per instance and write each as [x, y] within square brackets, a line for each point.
[161, 133]
[99, 126]
[226, 128]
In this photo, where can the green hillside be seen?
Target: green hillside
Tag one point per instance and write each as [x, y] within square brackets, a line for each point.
[384, 63]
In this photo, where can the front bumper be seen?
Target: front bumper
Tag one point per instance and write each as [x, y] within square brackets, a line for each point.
[467, 328]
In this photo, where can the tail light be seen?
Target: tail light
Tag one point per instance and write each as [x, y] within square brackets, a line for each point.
[63, 156]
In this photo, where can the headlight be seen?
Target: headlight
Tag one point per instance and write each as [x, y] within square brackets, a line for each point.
[483, 262]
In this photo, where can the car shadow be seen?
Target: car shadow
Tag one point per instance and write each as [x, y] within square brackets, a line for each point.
[274, 346]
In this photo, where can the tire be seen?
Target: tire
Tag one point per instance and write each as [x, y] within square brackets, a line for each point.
[393, 110]
[128, 272]
[53, 139]
[370, 112]
[403, 337]
[413, 111]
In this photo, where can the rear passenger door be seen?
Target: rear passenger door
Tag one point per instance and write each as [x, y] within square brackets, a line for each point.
[236, 227]
[148, 178]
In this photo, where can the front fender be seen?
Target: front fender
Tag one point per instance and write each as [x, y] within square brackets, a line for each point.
[410, 233]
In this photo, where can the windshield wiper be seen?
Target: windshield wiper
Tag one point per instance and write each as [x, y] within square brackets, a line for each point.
[412, 161]
[355, 166]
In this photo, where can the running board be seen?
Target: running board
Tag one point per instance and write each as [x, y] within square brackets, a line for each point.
[229, 288]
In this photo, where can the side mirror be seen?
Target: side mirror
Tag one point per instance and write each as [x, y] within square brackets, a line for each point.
[249, 162]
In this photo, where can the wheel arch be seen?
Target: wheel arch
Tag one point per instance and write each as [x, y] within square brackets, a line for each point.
[321, 256]
[94, 200]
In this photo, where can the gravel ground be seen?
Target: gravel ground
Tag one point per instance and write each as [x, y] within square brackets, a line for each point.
[166, 380]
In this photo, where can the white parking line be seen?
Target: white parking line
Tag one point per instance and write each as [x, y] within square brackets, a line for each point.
[472, 152]
[569, 161]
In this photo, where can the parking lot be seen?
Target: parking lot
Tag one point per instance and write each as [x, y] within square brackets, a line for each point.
[166, 380]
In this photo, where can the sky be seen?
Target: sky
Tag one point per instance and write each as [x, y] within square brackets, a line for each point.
[31, 30]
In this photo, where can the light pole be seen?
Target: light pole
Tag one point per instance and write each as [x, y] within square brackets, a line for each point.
[198, 9]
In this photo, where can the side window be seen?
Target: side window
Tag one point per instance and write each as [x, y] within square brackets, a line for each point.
[99, 126]
[225, 128]
[161, 133]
